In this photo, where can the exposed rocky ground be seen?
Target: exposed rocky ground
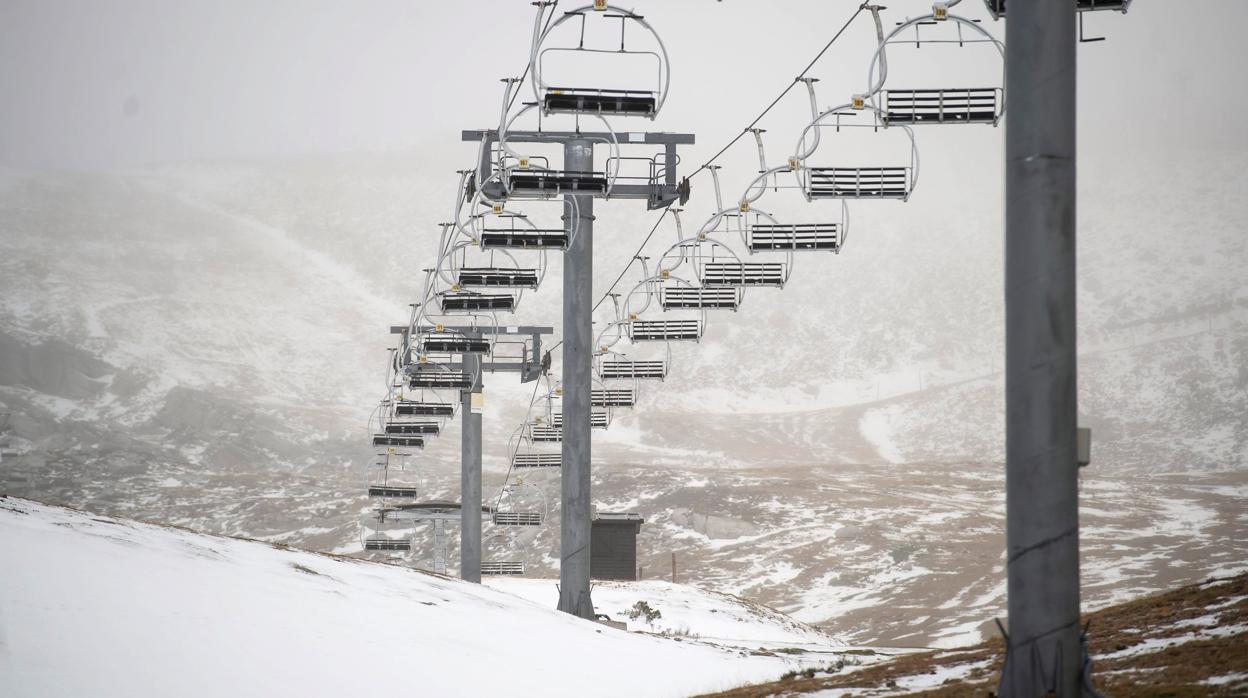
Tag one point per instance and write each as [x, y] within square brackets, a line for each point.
[1190, 641]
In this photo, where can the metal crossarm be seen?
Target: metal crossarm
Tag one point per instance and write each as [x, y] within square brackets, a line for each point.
[681, 297]
[664, 330]
[743, 274]
[942, 106]
[794, 236]
[493, 277]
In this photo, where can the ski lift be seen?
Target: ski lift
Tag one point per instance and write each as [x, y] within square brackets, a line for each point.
[436, 378]
[396, 544]
[398, 441]
[545, 433]
[495, 277]
[716, 274]
[624, 368]
[844, 181]
[423, 409]
[597, 420]
[599, 100]
[453, 343]
[535, 459]
[471, 301]
[430, 428]
[676, 296]
[612, 397]
[794, 236]
[532, 239]
[546, 184]
[858, 182]
[664, 330]
[391, 491]
[521, 238]
[997, 7]
[515, 495]
[956, 105]
[496, 568]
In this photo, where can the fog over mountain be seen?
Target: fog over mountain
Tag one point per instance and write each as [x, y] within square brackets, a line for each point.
[198, 335]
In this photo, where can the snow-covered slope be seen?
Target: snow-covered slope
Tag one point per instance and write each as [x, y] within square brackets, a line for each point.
[98, 606]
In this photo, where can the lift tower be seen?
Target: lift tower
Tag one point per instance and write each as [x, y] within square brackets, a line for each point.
[1043, 654]
[580, 184]
[473, 367]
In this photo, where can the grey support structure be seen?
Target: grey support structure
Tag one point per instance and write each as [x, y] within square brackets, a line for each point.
[529, 366]
[470, 475]
[1042, 518]
[578, 301]
[659, 190]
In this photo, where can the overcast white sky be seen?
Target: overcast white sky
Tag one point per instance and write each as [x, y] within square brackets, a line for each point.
[104, 84]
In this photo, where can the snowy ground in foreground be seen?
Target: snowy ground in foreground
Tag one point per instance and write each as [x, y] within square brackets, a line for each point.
[98, 606]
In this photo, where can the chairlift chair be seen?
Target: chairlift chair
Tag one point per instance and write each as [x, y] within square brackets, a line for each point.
[398, 441]
[545, 433]
[546, 184]
[609, 369]
[534, 459]
[599, 100]
[520, 503]
[453, 343]
[429, 428]
[435, 378]
[406, 408]
[717, 274]
[517, 518]
[678, 297]
[472, 302]
[840, 180]
[496, 568]
[495, 277]
[953, 105]
[612, 397]
[767, 237]
[391, 491]
[665, 330]
[395, 544]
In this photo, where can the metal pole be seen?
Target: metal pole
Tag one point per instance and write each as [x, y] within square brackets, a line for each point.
[578, 277]
[470, 477]
[1042, 514]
